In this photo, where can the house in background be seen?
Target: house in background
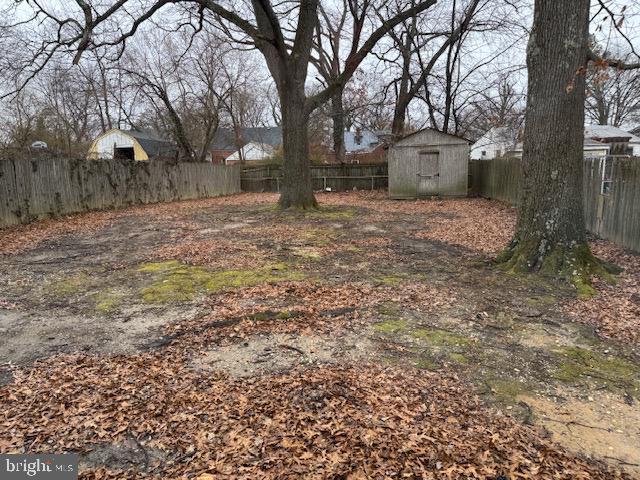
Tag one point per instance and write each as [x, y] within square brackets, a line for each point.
[251, 152]
[620, 141]
[599, 141]
[134, 144]
[429, 163]
[592, 149]
[495, 143]
[364, 146]
[259, 142]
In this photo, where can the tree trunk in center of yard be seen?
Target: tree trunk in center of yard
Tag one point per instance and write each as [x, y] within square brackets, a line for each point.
[297, 189]
[550, 232]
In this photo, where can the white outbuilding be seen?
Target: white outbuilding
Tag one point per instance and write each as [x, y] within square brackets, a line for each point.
[134, 144]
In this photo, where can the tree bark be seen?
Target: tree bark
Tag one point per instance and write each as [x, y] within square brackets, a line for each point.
[402, 103]
[337, 117]
[297, 190]
[550, 232]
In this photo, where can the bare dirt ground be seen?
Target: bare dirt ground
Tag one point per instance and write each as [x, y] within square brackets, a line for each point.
[223, 338]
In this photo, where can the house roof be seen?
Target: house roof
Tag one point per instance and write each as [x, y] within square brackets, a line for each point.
[609, 132]
[225, 138]
[504, 136]
[367, 142]
[153, 143]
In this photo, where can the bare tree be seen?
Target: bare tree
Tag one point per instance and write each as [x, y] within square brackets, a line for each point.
[244, 104]
[282, 32]
[498, 104]
[183, 82]
[20, 118]
[417, 47]
[613, 96]
[67, 109]
[331, 33]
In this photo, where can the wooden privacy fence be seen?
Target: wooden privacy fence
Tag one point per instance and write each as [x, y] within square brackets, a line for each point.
[31, 189]
[338, 178]
[611, 193]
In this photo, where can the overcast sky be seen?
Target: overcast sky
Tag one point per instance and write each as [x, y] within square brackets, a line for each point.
[497, 53]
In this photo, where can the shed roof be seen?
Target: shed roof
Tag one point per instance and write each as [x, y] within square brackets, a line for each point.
[457, 137]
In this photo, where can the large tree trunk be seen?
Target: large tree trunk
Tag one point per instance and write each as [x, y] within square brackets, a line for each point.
[399, 117]
[403, 98]
[297, 190]
[550, 232]
[337, 116]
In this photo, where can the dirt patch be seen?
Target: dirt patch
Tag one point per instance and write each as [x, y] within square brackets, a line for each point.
[143, 298]
[28, 336]
[128, 456]
[601, 425]
[259, 355]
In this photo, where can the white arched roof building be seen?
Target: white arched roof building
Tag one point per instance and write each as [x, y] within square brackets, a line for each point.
[134, 144]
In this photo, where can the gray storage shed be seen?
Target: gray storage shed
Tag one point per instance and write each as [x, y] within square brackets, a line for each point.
[429, 163]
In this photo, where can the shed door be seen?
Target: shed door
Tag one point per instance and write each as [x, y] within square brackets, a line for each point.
[428, 173]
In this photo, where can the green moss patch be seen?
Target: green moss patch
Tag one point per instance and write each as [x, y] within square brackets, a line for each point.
[388, 309]
[505, 390]
[320, 236]
[107, 302]
[434, 337]
[331, 213]
[308, 253]
[396, 325]
[458, 358]
[176, 282]
[391, 280]
[575, 365]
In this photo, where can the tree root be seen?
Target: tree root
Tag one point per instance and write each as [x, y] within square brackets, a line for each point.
[304, 204]
[574, 264]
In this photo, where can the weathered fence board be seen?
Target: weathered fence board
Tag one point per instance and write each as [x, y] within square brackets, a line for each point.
[31, 189]
[338, 178]
[614, 216]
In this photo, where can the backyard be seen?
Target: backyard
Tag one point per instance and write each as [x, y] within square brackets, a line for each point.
[224, 338]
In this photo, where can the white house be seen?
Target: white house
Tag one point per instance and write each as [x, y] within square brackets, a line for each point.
[592, 149]
[599, 141]
[251, 152]
[620, 141]
[495, 143]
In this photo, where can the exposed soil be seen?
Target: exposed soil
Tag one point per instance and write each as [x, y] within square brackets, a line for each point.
[221, 295]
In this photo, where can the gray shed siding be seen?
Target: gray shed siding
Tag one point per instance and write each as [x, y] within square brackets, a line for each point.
[404, 164]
